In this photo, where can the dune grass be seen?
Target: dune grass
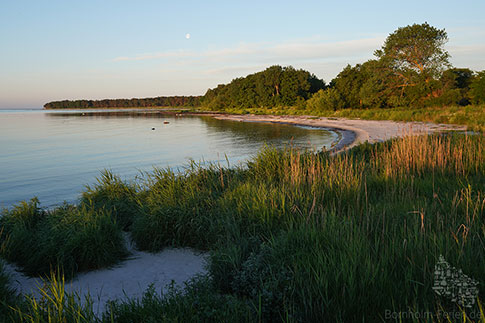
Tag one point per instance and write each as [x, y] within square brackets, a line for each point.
[69, 238]
[112, 194]
[297, 236]
[53, 305]
[359, 231]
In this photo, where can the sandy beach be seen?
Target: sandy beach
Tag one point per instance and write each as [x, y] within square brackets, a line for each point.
[352, 131]
[134, 275]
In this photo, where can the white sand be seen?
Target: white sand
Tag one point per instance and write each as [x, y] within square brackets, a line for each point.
[130, 279]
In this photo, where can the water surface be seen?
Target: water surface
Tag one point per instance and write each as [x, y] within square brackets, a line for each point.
[54, 154]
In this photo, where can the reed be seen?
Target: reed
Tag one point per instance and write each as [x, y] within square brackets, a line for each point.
[54, 305]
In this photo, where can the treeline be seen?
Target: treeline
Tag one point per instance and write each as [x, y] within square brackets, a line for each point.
[272, 87]
[161, 101]
[411, 70]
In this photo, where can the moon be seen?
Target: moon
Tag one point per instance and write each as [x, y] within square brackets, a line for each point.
[187, 36]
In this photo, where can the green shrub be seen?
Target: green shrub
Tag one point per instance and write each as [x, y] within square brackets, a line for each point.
[325, 100]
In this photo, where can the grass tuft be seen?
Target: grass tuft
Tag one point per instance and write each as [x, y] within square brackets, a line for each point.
[70, 238]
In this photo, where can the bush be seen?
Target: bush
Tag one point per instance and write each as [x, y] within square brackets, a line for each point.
[477, 88]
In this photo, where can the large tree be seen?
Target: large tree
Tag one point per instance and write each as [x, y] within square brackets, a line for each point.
[414, 54]
[418, 48]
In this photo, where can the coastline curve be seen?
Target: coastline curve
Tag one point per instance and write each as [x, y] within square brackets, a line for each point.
[352, 131]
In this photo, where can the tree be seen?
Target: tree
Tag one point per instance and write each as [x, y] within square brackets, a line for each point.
[376, 90]
[477, 88]
[417, 48]
[414, 54]
[325, 100]
[454, 87]
[348, 84]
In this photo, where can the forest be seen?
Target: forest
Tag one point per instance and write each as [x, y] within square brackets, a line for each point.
[274, 86]
[161, 101]
[412, 70]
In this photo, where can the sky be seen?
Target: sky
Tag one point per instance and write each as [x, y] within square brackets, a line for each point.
[55, 50]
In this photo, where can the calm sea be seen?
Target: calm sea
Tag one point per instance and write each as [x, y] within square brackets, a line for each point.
[54, 154]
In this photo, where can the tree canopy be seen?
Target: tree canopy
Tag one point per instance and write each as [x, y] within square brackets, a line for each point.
[275, 86]
[416, 48]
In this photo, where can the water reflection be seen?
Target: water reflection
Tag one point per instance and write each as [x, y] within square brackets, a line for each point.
[53, 154]
[275, 134]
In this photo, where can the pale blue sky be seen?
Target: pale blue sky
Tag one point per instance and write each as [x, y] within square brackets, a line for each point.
[52, 50]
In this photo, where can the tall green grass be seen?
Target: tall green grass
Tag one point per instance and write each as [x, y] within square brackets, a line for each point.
[313, 237]
[69, 238]
[112, 194]
[197, 302]
[53, 305]
[178, 208]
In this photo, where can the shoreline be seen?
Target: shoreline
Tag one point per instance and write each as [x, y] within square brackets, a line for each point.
[352, 131]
